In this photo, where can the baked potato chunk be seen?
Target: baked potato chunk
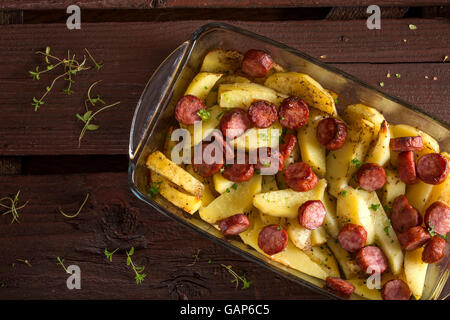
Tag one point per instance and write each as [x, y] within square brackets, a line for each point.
[345, 260]
[353, 114]
[255, 138]
[202, 84]
[299, 235]
[207, 125]
[221, 184]
[379, 152]
[222, 61]
[322, 255]
[303, 86]
[415, 271]
[393, 188]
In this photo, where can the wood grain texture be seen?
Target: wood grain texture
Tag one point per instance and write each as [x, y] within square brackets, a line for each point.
[138, 48]
[148, 4]
[114, 218]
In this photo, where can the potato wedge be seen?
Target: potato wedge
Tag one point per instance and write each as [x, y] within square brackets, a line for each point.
[363, 290]
[352, 208]
[207, 125]
[177, 197]
[303, 86]
[207, 196]
[238, 200]
[385, 235]
[159, 163]
[343, 163]
[221, 184]
[313, 153]
[345, 260]
[291, 256]
[211, 99]
[318, 236]
[415, 271]
[379, 152]
[353, 114]
[222, 61]
[393, 188]
[430, 145]
[299, 235]
[418, 194]
[255, 138]
[324, 258]
[331, 223]
[241, 95]
[202, 84]
[285, 203]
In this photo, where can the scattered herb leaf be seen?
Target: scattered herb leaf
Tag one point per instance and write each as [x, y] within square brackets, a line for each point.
[204, 114]
[109, 255]
[139, 271]
[245, 283]
[79, 210]
[13, 207]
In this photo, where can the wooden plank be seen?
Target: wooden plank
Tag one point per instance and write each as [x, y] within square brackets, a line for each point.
[130, 60]
[114, 218]
[145, 4]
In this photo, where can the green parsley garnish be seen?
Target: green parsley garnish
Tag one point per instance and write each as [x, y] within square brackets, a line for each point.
[374, 207]
[344, 193]
[234, 186]
[381, 84]
[204, 114]
[219, 116]
[153, 188]
[431, 229]
[412, 27]
[357, 162]
[398, 75]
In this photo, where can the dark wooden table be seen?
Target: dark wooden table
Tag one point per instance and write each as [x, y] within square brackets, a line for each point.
[40, 157]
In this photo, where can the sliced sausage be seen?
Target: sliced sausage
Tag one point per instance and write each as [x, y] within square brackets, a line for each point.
[331, 133]
[437, 218]
[352, 237]
[299, 177]
[238, 172]
[432, 168]
[371, 259]
[406, 144]
[371, 176]
[395, 289]
[285, 148]
[293, 113]
[413, 238]
[272, 239]
[207, 167]
[234, 225]
[339, 286]
[256, 63]
[234, 123]
[262, 113]
[406, 167]
[434, 250]
[404, 216]
[187, 108]
[311, 214]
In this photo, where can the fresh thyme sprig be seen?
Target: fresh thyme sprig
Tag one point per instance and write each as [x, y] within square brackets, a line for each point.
[245, 283]
[139, 271]
[153, 189]
[79, 210]
[109, 255]
[12, 207]
[25, 261]
[98, 66]
[196, 258]
[61, 263]
[88, 116]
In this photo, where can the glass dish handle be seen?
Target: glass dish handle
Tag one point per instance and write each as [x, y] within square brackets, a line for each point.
[153, 95]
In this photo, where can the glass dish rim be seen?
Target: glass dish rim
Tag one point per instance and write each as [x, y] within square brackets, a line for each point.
[189, 45]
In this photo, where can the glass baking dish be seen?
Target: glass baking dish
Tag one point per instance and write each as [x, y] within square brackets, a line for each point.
[155, 109]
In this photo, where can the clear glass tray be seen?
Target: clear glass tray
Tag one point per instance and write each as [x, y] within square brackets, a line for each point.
[155, 109]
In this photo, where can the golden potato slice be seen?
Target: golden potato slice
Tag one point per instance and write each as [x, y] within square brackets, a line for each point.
[345, 260]
[222, 61]
[379, 152]
[331, 223]
[318, 236]
[353, 114]
[415, 271]
[202, 84]
[207, 196]
[303, 86]
[285, 203]
[322, 255]
[221, 184]
[393, 188]
[207, 125]
[299, 235]
[241, 95]
[418, 194]
[255, 138]
[211, 99]
[363, 290]
[159, 163]
[238, 200]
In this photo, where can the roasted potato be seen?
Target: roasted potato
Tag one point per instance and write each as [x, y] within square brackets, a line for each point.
[202, 84]
[415, 271]
[379, 151]
[222, 61]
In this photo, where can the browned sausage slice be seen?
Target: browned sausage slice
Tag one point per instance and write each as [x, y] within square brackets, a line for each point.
[437, 218]
[404, 216]
[187, 108]
[299, 177]
[272, 239]
[406, 167]
[331, 133]
[256, 63]
[238, 172]
[208, 167]
[262, 114]
[395, 289]
[413, 238]
[293, 113]
[311, 214]
[432, 168]
[234, 123]
[434, 250]
[339, 286]
[406, 144]
[371, 176]
[352, 237]
[234, 225]
[371, 259]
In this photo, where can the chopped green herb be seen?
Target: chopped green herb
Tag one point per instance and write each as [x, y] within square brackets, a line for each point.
[381, 84]
[398, 75]
[386, 228]
[234, 186]
[431, 229]
[228, 190]
[219, 116]
[139, 271]
[374, 207]
[153, 189]
[357, 162]
[204, 114]
[412, 27]
[344, 193]
[109, 255]
[245, 283]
